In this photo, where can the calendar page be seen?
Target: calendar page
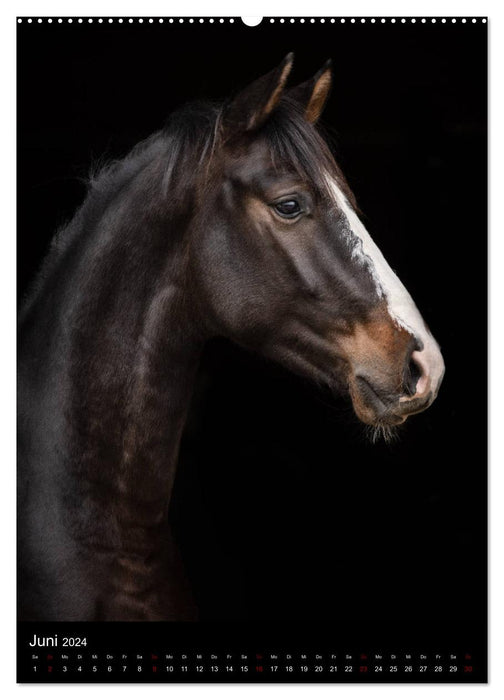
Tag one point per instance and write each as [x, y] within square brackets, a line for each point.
[252, 349]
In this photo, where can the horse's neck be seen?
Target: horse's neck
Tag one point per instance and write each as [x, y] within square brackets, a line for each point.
[158, 399]
[132, 381]
[121, 356]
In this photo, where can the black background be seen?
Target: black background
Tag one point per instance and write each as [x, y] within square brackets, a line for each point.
[282, 509]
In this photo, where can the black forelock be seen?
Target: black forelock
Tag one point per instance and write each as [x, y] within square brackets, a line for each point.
[295, 144]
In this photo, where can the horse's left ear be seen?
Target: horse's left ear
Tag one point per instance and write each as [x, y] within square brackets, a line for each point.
[313, 93]
[253, 105]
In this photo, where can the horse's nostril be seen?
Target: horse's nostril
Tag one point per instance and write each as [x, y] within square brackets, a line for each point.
[411, 376]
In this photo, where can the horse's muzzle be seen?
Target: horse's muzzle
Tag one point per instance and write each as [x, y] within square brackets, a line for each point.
[376, 404]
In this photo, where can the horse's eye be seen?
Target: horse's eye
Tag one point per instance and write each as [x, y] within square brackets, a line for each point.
[288, 209]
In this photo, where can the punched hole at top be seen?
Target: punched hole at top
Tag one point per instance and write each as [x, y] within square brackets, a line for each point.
[251, 21]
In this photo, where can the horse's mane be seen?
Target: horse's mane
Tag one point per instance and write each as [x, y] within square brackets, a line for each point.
[189, 140]
[182, 147]
[172, 162]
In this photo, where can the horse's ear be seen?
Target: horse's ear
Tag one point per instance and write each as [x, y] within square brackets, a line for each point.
[313, 93]
[253, 105]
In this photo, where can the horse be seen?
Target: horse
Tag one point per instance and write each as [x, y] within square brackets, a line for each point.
[235, 221]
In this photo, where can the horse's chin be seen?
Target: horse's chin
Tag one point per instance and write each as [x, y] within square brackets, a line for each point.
[386, 419]
[389, 421]
[381, 419]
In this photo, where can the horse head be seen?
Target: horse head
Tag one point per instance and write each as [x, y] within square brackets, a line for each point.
[285, 266]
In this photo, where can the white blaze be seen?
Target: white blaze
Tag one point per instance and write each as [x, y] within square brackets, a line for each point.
[401, 306]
